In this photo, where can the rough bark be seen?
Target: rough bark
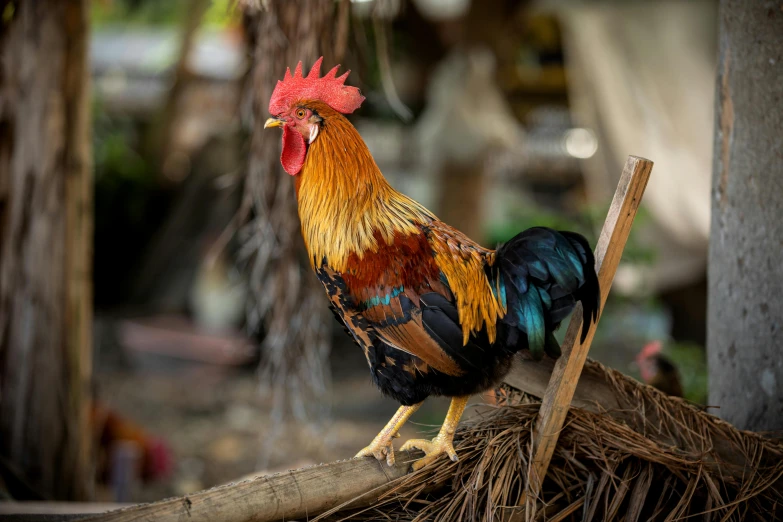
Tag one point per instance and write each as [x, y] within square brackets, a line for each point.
[286, 295]
[45, 245]
[745, 303]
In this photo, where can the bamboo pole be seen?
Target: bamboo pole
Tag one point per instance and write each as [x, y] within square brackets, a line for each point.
[293, 495]
[565, 376]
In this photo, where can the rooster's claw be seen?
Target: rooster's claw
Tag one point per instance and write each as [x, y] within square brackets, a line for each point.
[432, 450]
[381, 450]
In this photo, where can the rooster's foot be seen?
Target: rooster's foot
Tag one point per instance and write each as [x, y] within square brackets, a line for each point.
[380, 449]
[443, 443]
[381, 446]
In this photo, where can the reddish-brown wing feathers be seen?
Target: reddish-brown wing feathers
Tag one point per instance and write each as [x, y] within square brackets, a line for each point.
[412, 337]
[330, 89]
[378, 280]
[352, 318]
[406, 262]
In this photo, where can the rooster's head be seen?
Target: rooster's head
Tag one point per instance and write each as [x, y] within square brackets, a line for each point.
[295, 107]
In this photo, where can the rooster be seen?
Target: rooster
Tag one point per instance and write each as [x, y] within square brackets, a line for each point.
[434, 312]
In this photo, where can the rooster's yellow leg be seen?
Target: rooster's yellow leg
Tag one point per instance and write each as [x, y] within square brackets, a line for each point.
[381, 446]
[444, 441]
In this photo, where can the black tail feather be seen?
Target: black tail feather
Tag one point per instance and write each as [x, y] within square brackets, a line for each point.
[589, 294]
[542, 274]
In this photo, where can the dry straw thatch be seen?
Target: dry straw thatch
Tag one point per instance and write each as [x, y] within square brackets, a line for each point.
[608, 466]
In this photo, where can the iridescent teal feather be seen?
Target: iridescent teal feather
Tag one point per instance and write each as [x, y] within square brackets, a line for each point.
[541, 274]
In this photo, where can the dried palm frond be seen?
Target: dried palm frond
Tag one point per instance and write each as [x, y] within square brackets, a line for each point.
[602, 470]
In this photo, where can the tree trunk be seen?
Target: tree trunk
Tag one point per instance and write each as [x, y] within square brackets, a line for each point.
[286, 295]
[45, 245]
[745, 332]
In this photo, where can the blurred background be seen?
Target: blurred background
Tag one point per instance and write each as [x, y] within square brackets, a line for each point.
[214, 356]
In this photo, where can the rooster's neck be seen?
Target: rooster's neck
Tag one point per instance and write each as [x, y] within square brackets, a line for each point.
[344, 199]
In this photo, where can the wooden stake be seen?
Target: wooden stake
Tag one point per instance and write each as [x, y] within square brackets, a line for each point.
[565, 376]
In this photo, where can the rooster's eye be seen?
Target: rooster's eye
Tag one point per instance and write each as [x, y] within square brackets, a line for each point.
[300, 113]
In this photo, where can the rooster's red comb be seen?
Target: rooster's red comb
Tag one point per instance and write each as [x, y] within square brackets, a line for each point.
[330, 89]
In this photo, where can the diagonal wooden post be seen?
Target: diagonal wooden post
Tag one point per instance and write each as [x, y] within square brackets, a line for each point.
[565, 376]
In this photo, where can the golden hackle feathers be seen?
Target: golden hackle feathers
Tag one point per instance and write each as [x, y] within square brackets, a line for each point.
[343, 197]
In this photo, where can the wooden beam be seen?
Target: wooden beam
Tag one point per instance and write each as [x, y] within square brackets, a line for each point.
[79, 220]
[565, 376]
[292, 495]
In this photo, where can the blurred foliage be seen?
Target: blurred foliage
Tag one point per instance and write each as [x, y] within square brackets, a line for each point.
[586, 221]
[8, 12]
[691, 361]
[129, 203]
[156, 13]
[221, 13]
[117, 160]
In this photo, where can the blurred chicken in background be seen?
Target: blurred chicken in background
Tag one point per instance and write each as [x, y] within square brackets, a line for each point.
[675, 368]
[126, 452]
[659, 371]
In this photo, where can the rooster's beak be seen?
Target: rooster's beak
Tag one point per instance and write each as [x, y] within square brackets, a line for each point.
[273, 122]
